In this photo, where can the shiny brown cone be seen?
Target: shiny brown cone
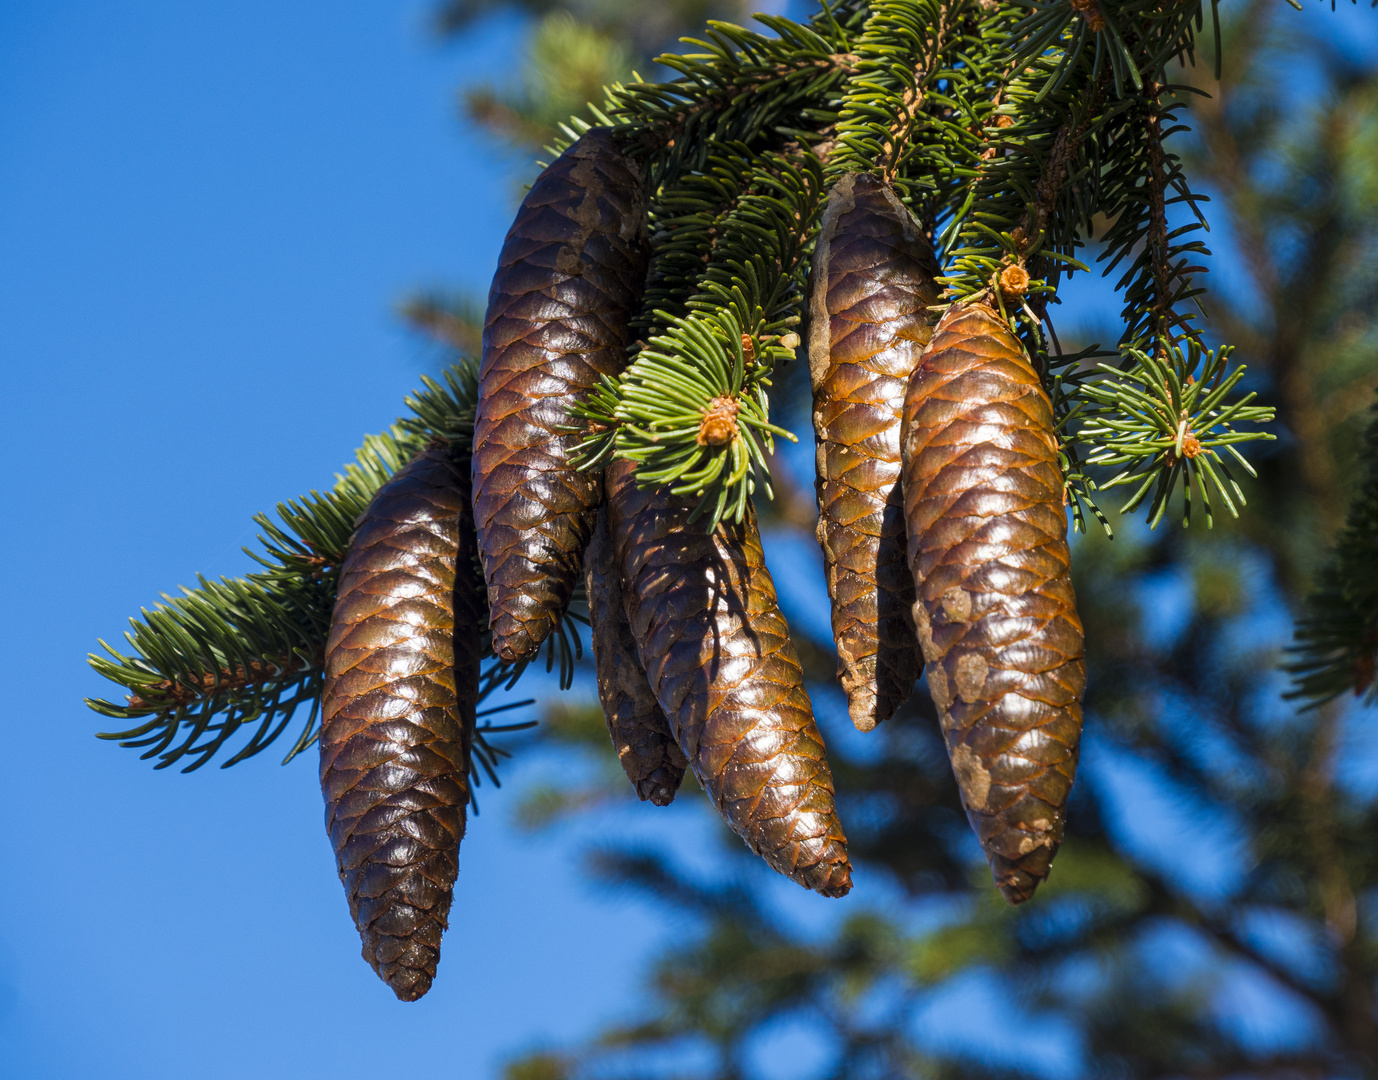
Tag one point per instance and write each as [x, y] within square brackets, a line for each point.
[569, 277]
[996, 615]
[873, 274]
[640, 732]
[401, 688]
[717, 652]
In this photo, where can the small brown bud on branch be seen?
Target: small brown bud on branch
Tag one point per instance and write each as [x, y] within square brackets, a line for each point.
[719, 425]
[1091, 12]
[1014, 281]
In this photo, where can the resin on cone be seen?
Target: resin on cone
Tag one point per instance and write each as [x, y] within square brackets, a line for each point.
[717, 653]
[401, 690]
[996, 617]
[873, 272]
[569, 278]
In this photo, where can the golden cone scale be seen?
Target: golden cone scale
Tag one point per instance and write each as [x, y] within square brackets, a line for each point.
[873, 283]
[995, 613]
[717, 653]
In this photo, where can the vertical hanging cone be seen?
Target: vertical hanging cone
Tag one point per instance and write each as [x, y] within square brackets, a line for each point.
[401, 689]
[873, 272]
[569, 277]
[995, 613]
[717, 653]
[640, 731]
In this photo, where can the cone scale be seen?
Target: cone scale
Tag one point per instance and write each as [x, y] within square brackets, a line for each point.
[995, 612]
[717, 654]
[639, 728]
[873, 274]
[401, 689]
[569, 277]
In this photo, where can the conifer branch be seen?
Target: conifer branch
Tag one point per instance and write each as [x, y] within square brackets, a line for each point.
[718, 357]
[1163, 426]
[456, 322]
[1159, 282]
[740, 89]
[921, 117]
[1010, 132]
[247, 652]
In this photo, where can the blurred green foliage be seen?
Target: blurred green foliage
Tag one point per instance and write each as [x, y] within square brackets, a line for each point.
[574, 49]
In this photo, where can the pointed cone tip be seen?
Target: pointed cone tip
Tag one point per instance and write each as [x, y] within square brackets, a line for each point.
[861, 706]
[511, 648]
[1018, 886]
[838, 882]
[408, 983]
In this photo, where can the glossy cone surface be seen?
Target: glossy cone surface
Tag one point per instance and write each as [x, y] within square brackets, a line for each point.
[640, 731]
[401, 686]
[569, 277]
[996, 616]
[873, 276]
[717, 653]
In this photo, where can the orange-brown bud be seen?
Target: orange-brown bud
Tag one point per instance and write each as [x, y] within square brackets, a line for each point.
[719, 424]
[1091, 12]
[1014, 281]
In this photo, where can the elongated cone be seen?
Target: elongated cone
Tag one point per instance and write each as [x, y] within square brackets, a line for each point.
[873, 272]
[640, 731]
[569, 277]
[996, 615]
[717, 652]
[401, 689]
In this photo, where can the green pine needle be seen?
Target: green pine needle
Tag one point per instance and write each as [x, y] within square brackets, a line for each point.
[1167, 419]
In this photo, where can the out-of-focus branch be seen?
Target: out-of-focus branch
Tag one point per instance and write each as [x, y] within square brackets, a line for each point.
[453, 321]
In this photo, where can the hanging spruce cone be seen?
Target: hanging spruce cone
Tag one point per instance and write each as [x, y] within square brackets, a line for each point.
[568, 280]
[717, 653]
[401, 689]
[873, 272]
[640, 732]
[995, 614]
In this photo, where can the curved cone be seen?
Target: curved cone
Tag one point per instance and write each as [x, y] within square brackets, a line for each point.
[996, 615]
[717, 653]
[873, 274]
[569, 278]
[640, 732]
[401, 689]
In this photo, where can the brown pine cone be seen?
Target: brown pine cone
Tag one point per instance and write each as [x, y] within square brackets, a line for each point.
[401, 689]
[995, 614]
[568, 280]
[873, 272]
[717, 652]
[640, 732]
